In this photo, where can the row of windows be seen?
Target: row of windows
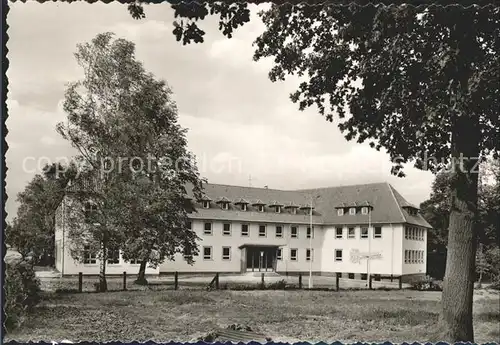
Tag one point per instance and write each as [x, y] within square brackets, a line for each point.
[352, 211]
[414, 233]
[414, 256]
[260, 208]
[245, 230]
[226, 254]
[351, 232]
[294, 254]
[90, 257]
[293, 210]
[294, 233]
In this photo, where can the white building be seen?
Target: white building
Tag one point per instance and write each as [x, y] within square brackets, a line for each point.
[258, 229]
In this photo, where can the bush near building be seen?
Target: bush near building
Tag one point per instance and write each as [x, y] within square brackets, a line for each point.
[22, 291]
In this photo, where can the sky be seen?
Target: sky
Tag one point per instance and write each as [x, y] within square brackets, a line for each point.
[243, 129]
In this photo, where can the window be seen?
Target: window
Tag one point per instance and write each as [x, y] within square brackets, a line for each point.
[293, 254]
[310, 233]
[412, 256]
[243, 207]
[208, 229]
[279, 231]
[244, 229]
[89, 256]
[364, 232]
[278, 209]
[352, 210]
[261, 208]
[340, 212]
[262, 231]
[226, 253]
[351, 233]
[338, 255]
[406, 232]
[364, 276]
[279, 254]
[406, 256]
[338, 232]
[226, 230]
[135, 261]
[113, 256]
[294, 210]
[207, 253]
[364, 210]
[378, 232]
[189, 225]
[294, 232]
[350, 275]
[308, 254]
[225, 206]
[206, 204]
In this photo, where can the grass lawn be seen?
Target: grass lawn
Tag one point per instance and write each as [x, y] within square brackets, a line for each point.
[346, 316]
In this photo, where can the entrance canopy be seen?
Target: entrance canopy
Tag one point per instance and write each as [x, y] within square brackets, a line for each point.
[251, 245]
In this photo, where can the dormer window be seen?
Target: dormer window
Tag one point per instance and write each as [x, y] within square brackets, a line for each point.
[261, 208]
[294, 210]
[276, 205]
[242, 203]
[206, 204]
[340, 212]
[352, 211]
[364, 210]
[225, 206]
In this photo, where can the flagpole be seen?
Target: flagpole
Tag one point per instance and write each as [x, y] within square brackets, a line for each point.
[369, 247]
[310, 243]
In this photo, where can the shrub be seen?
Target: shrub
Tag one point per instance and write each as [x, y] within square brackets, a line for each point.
[22, 292]
[496, 284]
[279, 285]
[427, 284]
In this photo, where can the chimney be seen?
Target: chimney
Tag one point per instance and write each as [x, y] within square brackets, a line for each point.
[266, 187]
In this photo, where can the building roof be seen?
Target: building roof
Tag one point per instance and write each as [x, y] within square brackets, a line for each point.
[385, 202]
[387, 205]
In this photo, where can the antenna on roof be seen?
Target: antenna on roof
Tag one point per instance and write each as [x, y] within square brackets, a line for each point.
[249, 180]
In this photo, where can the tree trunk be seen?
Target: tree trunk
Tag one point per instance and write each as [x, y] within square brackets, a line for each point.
[141, 278]
[458, 285]
[103, 285]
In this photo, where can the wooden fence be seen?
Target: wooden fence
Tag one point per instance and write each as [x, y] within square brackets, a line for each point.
[216, 285]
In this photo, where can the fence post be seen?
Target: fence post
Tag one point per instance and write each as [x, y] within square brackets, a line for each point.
[176, 280]
[217, 281]
[400, 282]
[370, 279]
[337, 281]
[262, 281]
[300, 280]
[391, 278]
[124, 281]
[80, 281]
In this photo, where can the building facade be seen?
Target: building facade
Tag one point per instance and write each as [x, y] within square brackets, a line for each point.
[353, 230]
